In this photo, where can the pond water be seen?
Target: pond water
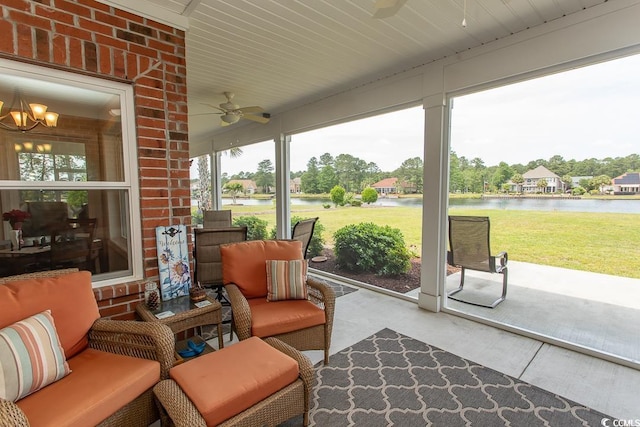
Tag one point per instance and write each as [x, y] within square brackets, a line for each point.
[572, 205]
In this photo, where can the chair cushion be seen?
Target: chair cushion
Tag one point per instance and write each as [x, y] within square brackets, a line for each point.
[273, 318]
[100, 384]
[69, 297]
[286, 280]
[224, 383]
[244, 263]
[31, 356]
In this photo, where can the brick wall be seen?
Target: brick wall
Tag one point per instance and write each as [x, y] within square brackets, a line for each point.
[83, 36]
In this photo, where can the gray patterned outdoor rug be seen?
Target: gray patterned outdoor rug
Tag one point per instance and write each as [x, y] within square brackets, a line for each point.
[390, 379]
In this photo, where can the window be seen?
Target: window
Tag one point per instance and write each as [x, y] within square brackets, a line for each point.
[80, 168]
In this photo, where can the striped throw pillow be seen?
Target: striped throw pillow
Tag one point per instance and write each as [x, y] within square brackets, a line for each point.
[286, 280]
[31, 356]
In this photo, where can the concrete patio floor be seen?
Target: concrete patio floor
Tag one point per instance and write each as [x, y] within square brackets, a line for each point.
[590, 310]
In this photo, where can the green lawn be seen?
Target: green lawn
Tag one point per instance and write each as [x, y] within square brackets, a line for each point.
[597, 242]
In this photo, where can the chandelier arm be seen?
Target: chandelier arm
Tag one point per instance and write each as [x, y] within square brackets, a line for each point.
[23, 128]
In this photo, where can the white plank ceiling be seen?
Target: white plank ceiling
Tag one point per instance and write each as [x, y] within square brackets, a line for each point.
[280, 54]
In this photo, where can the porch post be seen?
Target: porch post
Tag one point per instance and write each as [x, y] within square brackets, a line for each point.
[434, 204]
[216, 180]
[283, 199]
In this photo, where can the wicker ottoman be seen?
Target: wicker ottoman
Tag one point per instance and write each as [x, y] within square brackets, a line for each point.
[252, 383]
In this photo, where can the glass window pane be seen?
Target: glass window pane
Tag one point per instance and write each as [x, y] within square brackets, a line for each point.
[84, 145]
[60, 213]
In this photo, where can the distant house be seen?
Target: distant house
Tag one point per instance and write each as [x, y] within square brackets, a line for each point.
[534, 176]
[295, 185]
[628, 183]
[575, 180]
[391, 186]
[249, 186]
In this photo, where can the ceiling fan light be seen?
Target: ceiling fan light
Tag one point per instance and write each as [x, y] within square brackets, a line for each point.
[230, 118]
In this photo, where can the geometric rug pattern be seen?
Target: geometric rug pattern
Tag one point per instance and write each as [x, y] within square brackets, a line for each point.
[390, 379]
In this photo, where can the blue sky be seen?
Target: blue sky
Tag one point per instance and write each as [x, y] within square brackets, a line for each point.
[584, 113]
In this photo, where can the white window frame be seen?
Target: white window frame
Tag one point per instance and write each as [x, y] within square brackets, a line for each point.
[129, 143]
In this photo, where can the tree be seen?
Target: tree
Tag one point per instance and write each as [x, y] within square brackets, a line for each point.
[410, 171]
[234, 189]
[337, 195]
[369, 195]
[327, 179]
[204, 183]
[309, 181]
[501, 175]
[264, 175]
[600, 181]
[542, 185]
[517, 179]
[568, 181]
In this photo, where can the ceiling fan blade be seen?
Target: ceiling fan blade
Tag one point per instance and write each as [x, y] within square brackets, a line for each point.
[253, 109]
[387, 8]
[259, 119]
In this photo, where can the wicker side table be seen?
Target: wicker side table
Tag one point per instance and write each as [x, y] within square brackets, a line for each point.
[186, 315]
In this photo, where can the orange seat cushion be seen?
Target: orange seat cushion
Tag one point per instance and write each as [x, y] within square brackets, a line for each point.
[99, 384]
[224, 383]
[69, 297]
[270, 318]
[245, 265]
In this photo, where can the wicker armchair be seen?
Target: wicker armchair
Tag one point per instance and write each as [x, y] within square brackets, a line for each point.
[147, 340]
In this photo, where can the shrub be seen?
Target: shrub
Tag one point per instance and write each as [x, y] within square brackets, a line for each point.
[369, 195]
[355, 202]
[256, 227]
[316, 245]
[326, 205]
[371, 248]
[196, 216]
[578, 191]
[337, 195]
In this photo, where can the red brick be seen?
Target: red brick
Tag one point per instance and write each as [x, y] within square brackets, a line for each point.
[104, 60]
[109, 19]
[7, 39]
[60, 50]
[95, 27]
[74, 8]
[17, 4]
[113, 310]
[30, 20]
[110, 42]
[69, 30]
[54, 15]
[42, 45]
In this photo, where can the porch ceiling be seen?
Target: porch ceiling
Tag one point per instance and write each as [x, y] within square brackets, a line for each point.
[284, 54]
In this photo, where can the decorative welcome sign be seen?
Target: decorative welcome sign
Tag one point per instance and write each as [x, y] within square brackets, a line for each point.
[173, 261]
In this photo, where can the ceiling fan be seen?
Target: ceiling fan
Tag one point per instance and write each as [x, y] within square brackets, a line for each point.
[387, 8]
[231, 113]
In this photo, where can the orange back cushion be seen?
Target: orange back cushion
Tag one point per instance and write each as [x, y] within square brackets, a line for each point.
[69, 297]
[245, 265]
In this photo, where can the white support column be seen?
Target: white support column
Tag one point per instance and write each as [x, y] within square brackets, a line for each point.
[216, 180]
[283, 199]
[434, 206]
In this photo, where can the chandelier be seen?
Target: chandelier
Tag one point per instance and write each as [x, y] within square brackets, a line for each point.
[27, 116]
